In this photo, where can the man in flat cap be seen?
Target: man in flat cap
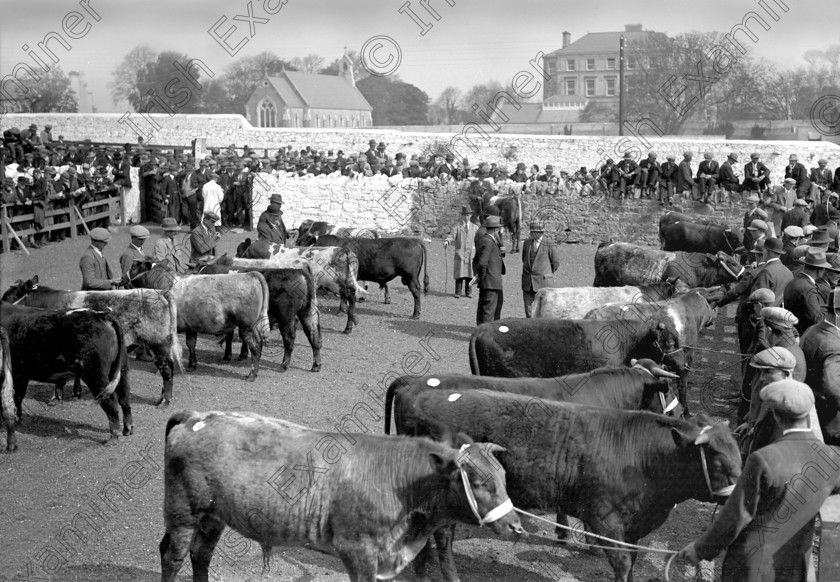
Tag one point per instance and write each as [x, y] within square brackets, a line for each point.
[96, 273]
[791, 237]
[759, 544]
[204, 238]
[463, 235]
[684, 177]
[627, 171]
[796, 216]
[756, 175]
[134, 252]
[820, 181]
[708, 174]
[797, 171]
[821, 345]
[727, 178]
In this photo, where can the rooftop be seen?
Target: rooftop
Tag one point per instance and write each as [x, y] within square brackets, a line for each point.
[318, 91]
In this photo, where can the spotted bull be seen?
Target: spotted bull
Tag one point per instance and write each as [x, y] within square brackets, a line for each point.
[8, 414]
[620, 263]
[620, 472]
[148, 318]
[575, 302]
[371, 500]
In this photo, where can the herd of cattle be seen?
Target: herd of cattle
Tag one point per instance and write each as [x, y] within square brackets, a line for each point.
[571, 411]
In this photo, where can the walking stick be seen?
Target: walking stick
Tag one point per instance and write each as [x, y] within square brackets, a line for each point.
[446, 271]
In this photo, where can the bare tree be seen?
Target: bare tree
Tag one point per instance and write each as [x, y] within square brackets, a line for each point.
[447, 104]
[124, 83]
[311, 63]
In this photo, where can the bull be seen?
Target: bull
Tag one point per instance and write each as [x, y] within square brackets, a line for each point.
[148, 318]
[673, 217]
[374, 505]
[510, 215]
[700, 238]
[688, 314]
[334, 269]
[8, 414]
[546, 348]
[575, 302]
[381, 260]
[310, 230]
[620, 472]
[56, 345]
[620, 263]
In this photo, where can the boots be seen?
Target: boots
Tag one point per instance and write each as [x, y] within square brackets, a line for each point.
[467, 288]
[32, 243]
[459, 284]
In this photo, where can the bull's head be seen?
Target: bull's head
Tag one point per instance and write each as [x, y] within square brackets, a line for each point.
[734, 238]
[718, 460]
[667, 343]
[242, 247]
[19, 290]
[655, 396]
[728, 264]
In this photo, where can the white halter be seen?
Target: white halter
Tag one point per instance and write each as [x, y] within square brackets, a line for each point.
[494, 514]
[723, 491]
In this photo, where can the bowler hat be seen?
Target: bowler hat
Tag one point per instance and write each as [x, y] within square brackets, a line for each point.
[100, 234]
[815, 257]
[776, 357]
[773, 245]
[492, 222]
[789, 398]
[138, 231]
[465, 210]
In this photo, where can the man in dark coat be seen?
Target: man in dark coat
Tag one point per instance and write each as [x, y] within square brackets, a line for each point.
[627, 171]
[825, 210]
[798, 172]
[820, 180]
[796, 216]
[802, 296]
[667, 177]
[489, 266]
[708, 174]
[821, 346]
[96, 273]
[204, 237]
[270, 225]
[648, 176]
[756, 175]
[169, 191]
[683, 180]
[134, 252]
[540, 260]
[759, 544]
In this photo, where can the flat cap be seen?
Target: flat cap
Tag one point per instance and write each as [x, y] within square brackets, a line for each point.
[763, 295]
[774, 358]
[789, 398]
[779, 317]
[760, 212]
[794, 231]
[808, 229]
[138, 231]
[100, 234]
[687, 153]
[212, 216]
[822, 162]
[753, 198]
[790, 181]
[800, 201]
[758, 225]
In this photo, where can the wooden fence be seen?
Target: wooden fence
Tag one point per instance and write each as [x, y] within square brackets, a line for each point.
[13, 227]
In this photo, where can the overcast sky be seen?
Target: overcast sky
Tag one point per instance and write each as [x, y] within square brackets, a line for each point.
[473, 42]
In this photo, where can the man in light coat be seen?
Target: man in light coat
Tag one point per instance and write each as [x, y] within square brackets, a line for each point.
[463, 235]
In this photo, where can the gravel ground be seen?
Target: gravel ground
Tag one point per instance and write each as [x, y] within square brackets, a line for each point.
[61, 472]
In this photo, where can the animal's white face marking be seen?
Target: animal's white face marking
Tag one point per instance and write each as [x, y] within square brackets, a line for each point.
[433, 382]
[199, 425]
[678, 323]
[504, 329]
[454, 397]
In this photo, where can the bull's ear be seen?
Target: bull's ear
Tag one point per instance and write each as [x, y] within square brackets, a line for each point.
[34, 280]
[494, 448]
[681, 439]
[442, 463]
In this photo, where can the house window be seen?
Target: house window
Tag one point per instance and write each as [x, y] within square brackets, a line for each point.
[570, 86]
[551, 67]
[610, 92]
[268, 114]
[297, 122]
[590, 64]
[317, 120]
[590, 87]
[570, 65]
[631, 62]
[611, 64]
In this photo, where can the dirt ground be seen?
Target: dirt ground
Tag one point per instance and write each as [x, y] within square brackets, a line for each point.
[63, 478]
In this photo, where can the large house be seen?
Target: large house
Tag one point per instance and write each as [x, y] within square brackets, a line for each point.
[295, 99]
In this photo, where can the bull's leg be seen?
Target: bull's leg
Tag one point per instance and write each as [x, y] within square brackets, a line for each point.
[311, 323]
[77, 388]
[228, 347]
[414, 287]
[203, 543]
[11, 436]
[254, 341]
[682, 393]
[387, 293]
[243, 351]
[173, 549]
[58, 394]
[561, 532]
[109, 405]
[20, 382]
[359, 558]
[166, 367]
[123, 393]
[421, 562]
[620, 559]
[443, 541]
[288, 330]
[350, 294]
[191, 339]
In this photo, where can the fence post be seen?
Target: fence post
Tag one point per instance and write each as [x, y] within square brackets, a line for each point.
[73, 224]
[122, 205]
[4, 231]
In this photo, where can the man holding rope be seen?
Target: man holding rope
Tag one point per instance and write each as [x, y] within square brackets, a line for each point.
[767, 524]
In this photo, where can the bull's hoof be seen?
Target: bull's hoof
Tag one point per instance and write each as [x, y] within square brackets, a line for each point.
[77, 397]
[162, 402]
[128, 430]
[11, 448]
[251, 377]
[241, 358]
[54, 401]
[112, 440]
[415, 316]
[225, 360]
[347, 330]
[191, 367]
[315, 368]
[283, 368]
[387, 301]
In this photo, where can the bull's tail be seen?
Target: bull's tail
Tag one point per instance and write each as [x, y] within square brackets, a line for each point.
[116, 367]
[175, 349]
[178, 418]
[262, 328]
[7, 403]
[425, 269]
[389, 401]
[473, 357]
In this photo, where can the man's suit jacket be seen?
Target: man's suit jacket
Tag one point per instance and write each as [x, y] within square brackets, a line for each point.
[824, 212]
[821, 346]
[803, 299]
[203, 243]
[709, 167]
[683, 180]
[463, 236]
[800, 174]
[488, 264]
[540, 273]
[266, 230]
[96, 273]
[767, 524]
[626, 167]
[821, 177]
[774, 276]
[128, 257]
[795, 217]
[761, 170]
[171, 257]
[727, 177]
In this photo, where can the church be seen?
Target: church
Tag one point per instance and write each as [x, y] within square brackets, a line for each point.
[295, 99]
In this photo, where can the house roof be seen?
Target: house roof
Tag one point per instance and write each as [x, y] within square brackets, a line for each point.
[602, 42]
[318, 91]
[534, 113]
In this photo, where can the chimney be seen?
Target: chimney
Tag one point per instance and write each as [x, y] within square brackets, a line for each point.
[567, 38]
[632, 28]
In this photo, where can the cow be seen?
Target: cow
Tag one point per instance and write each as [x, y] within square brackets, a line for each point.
[621, 263]
[510, 215]
[374, 502]
[643, 386]
[672, 217]
[620, 472]
[575, 302]
[8, 414]
[688, 314]
[148, 318]
[291, 298]
[334, 269]
[381, 260]
[215, 305]
[55, 345]
[700, 238]
[546, 348]
[310, 230]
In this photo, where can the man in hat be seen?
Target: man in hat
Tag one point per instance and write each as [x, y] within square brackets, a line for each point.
[168, 253]
[825, 212]
[667, 177]
[756, 175]
[820, 181]
[708, 173]
[608, 177]
[489, 266]
[134, 252]
[796, 216]
[540, 260]
[797, 171]
[791, 238]
[758, 232]
[627, 170]
[370, 154]
[463, 234]
[519, 176]
[821, 345]
[169, 191]
[46, 135]
[96, 273]
[204, 238]
[270, 225]
[727, 178]
[552, 180]
[802, 296]
[648, 176]
[684, 178]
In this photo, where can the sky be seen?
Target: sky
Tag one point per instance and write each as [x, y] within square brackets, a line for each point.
[473, 42]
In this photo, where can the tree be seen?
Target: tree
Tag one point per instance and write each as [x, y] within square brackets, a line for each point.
[394, 101]
[446, 105]
[240, 79]
[599, 112]
[52, 93]
[124, 84]
[359, 70]
[311, 63]
[156, 76]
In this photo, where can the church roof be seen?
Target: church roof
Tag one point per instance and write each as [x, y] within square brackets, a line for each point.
[318, 91]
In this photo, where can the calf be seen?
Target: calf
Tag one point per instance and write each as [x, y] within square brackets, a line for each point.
[56, 345]
[381, 260]
[575, 302]
[333, 268]
[148, 318]
[373, 503]
[8, 414]
[619, 471]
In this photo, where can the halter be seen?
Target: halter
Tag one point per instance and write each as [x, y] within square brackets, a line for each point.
[494, 514]
[22, 297]
[666, 408]
[728, 270]
[723, 491]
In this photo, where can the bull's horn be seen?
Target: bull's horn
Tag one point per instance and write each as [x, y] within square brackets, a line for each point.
[494, 448]
[661, 373]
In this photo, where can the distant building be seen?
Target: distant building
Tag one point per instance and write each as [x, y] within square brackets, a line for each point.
[295, 99]
[84, 97]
